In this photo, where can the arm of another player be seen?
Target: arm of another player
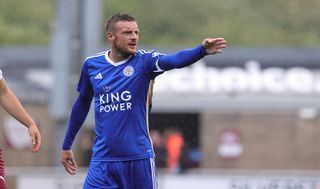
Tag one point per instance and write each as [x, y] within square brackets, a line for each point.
[79, 113]
[12, 105]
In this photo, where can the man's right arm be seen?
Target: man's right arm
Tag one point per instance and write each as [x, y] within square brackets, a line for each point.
[79, 113]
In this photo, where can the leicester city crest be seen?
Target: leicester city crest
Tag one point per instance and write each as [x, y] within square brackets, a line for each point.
[128, 71]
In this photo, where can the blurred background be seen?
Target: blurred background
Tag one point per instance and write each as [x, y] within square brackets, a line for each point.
[244, 119]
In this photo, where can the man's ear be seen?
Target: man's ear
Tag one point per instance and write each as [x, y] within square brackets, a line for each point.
[110, 36]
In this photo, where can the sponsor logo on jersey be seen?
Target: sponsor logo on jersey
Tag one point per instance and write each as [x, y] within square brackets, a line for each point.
[98, 76]
[118, 101]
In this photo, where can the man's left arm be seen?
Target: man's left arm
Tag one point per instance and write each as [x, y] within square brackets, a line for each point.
[187, 57]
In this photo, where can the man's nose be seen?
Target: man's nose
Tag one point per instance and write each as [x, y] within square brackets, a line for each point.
[134, 36]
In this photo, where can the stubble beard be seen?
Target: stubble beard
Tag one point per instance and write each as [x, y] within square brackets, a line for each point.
[126, 51]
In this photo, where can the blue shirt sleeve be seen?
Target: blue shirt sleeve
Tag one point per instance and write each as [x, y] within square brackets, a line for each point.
[151, 66]
[181, 59]
[159, 63]
[80, 107]
[84, 85]
[79, 113]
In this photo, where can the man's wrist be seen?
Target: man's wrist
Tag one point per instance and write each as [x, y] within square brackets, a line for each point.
[203, 50]
[30, 125]
[66, 147]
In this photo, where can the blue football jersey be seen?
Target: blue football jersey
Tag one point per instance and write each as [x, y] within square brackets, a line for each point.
[122, 94]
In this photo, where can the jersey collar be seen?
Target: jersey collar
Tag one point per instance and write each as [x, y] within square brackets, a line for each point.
[115, 63]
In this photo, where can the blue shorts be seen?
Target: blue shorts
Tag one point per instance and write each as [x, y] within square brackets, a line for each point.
[135, 174]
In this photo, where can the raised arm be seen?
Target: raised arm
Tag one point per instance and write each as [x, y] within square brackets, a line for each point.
[186, 57]
[12, 105]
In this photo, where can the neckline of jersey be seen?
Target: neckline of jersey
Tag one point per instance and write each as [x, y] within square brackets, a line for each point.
[115, 63]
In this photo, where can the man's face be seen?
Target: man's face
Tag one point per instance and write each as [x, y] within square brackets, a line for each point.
[125, 37]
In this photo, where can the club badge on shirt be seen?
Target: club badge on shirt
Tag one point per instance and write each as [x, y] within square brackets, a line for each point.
[128, 71]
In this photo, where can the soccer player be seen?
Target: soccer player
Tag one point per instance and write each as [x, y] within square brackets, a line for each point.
[120, 82]
[12, 105]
